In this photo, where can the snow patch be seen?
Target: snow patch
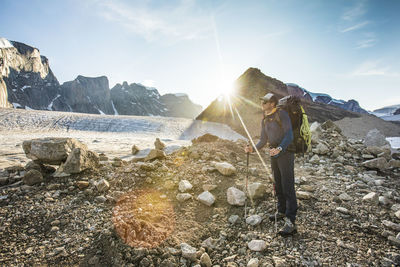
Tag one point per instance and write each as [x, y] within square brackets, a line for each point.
[4, 43]
[101, 112]
[115, 110]
[50, 106]
[391, 117]
[340, 102]
[16, 105]
[28, 108]
[394, 141]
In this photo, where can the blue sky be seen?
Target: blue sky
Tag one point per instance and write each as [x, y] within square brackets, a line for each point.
[348, 49]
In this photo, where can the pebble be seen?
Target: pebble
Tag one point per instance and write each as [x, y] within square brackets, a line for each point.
[188, 252]
[343, 210]
[185, 185]
[206, 198]
[254, 262]
[233, 219]
[257, 245]
[253, 220]
[183, 197]
[205, 260]
[235, 196]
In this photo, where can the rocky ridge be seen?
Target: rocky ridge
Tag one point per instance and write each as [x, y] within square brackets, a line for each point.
[187, 208]
[26, 81]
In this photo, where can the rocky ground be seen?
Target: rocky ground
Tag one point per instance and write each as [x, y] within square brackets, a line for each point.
[177, 209]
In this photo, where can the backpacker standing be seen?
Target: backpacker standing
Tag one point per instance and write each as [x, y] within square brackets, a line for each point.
[276, 130]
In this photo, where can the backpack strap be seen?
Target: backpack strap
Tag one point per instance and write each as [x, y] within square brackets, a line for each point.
[278, 118]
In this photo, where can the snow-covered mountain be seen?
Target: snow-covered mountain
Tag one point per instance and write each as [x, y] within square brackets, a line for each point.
[351, 105]
[27, 82]
[389, 113]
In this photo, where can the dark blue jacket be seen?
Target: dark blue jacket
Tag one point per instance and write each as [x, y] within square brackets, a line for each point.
[274, 133]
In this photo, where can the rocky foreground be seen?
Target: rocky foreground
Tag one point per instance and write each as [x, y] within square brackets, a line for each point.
[71, 206]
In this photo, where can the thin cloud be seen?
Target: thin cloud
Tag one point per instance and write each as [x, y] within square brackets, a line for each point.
[366, 43]
[355, 27]
[179, 22]
[355, 12]
[373, 68]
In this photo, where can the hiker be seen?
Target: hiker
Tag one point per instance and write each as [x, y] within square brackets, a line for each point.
[276, 129]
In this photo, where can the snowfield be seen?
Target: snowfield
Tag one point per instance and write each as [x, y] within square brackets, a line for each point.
[112, 135]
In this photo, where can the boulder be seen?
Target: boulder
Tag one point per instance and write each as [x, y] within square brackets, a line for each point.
[79, 160]
[206, 198]
[51, 150]
[378, 163]
[235, 196]
[375, 138]
[32, 177]
[155, 154]
[256, 190]
[225, 168]
[158, 144]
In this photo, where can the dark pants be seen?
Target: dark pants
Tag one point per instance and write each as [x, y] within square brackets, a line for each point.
[283, 170]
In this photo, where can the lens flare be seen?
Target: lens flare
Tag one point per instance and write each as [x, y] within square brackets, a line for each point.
[143, 218]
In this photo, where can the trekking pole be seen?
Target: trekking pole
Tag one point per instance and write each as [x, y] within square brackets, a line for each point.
[276, 209]
[246, 183]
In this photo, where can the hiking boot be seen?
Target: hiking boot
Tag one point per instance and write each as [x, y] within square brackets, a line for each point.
[279, 216]
[288, 229]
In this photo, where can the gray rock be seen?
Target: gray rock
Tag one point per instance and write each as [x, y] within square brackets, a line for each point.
[32, 177]
[185, 185]
[210, 243]
[303, 195]
[397, 214]
[253, 220]
[279, 262]
[158, 144]
[135, 149]
[102, 185]
[205, 260]
[378, 163]
[375, 138]
[235, 196]
[188, 252]
[51, 150]
[233, 219]
[183, 197]
[321, 149]
[343, 210]
[345, 197]
[256, 190]
[372, 198]
[155, 154]
[384, 200]
[79, 160]
[391, 225]
[257, 245]
[225, 168]
[254, 262]
[3, 180]
[314, 159]
[206, 198]
[100, 199]
[394, 240]
[394, 163]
